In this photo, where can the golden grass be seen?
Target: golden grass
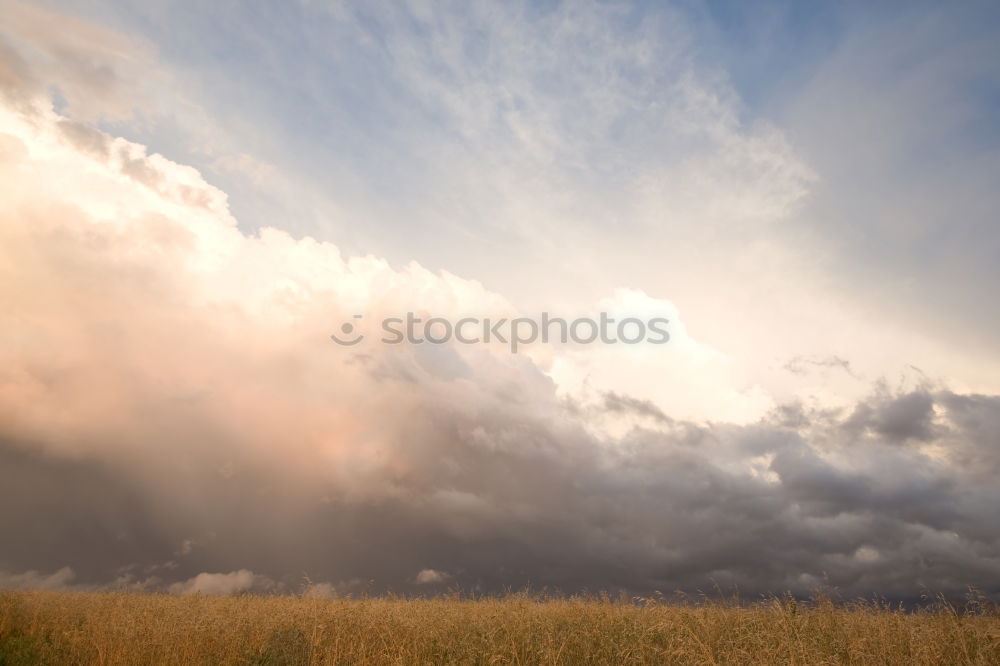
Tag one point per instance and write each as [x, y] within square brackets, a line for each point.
[122, 628]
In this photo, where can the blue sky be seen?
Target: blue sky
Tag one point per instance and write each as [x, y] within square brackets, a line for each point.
[893, 108]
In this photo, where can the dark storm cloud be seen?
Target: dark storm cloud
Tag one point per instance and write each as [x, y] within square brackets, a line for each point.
[897, 419]
[55, 512]
[977, 418]
[512, 495]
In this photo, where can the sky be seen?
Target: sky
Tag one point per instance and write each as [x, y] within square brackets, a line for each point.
[195, 196]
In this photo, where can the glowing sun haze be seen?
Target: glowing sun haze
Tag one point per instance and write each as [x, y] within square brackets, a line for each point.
[193, 198]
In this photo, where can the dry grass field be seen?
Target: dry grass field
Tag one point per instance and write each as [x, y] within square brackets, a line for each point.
[42, 627]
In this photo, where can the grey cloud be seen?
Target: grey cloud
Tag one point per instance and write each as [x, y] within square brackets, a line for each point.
[906, 417]
[974, 424]
[503, 495]
[71, 512]
[139, 170]
[614, 402]
[799, 364]
[86, 138]
[36, 580]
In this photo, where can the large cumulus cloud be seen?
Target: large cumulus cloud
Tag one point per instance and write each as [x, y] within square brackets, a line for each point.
[173, 415]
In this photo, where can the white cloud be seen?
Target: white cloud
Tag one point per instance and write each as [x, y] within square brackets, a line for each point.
[230, 583]
[431, 577]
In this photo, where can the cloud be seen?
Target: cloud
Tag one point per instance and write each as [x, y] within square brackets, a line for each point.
[167, 379]
[643, 408]
[97, 72]
[431, 577]
[901, 418]
[231, 583]
[37, 581]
